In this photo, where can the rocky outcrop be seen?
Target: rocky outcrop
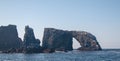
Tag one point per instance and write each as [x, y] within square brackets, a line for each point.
[30, 43]
[61, 40]
[9, 37]
[54, 39]
[86, 40]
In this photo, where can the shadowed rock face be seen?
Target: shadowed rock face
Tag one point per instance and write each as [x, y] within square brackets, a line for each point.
[30, 43]
[86, 40]
[61, 40]
[9, 37]
[54, 39]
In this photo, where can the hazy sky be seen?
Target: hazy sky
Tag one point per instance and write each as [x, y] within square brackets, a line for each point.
[99, 17]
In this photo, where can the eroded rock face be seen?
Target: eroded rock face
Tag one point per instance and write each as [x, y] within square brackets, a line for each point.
[61, 40]
[55, 39]
[9, 38]
[30, 43]
[86, 40]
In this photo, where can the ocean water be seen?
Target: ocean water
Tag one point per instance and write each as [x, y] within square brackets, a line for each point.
[105, 55]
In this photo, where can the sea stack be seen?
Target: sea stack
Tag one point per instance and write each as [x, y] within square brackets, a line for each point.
[30, 43]
[9, 38]
[56, 40]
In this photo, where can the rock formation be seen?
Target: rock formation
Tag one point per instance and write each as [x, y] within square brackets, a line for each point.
[9, 38]
[54, 39]
[61, 40]
[86, 40]
[30, 43]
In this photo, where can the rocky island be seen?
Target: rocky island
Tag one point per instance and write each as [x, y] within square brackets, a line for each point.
[9, 38]
[53, 40]
[61, 40]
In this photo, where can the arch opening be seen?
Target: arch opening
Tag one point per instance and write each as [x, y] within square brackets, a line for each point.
[75, 44]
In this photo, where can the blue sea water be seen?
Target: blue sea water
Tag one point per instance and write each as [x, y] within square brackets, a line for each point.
[105, 55]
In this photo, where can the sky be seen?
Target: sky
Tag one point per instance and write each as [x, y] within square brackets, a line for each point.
[99, 17]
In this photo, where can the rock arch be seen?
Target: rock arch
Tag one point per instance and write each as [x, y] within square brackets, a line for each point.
[61, 40]
[75, 44]
[86, 40]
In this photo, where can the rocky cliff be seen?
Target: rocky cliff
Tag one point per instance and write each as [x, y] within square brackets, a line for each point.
[30, 43]
[54, 39]
[86, 40]
[9, 37]
[61, 40]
